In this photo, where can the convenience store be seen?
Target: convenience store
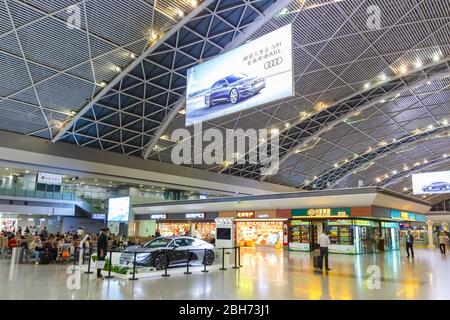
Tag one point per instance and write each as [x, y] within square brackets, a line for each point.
[356, 230]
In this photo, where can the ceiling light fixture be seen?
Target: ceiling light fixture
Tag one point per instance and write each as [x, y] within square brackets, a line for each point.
[394, 171]
[405, 189]
[378, 180]
[132, 55]
[102, 83]
[194, 3]
[117, 69]
[418, 64]
[425, 161]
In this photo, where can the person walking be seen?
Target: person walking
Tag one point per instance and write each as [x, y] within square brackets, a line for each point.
[102, 248]
[410, 243]
[324, 242]
[443, 239]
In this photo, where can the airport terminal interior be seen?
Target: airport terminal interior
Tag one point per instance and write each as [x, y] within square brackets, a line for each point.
[224, 149]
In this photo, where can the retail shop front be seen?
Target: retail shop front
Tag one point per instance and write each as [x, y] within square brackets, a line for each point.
[260, 228]
[412, 222]
[351, 230]
[199, 225]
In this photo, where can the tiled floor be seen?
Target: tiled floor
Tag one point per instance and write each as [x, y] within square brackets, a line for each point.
[267, 274]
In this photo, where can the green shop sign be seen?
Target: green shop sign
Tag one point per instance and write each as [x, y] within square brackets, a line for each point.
[321, 212]
[389, 225]
[403, 215]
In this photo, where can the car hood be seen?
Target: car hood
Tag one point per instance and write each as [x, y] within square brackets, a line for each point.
[246, 80]
[139, 249]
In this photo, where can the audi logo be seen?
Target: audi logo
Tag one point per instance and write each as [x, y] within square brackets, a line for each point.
[273, 63]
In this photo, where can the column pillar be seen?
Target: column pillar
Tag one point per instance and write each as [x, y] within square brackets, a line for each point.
[430, 234]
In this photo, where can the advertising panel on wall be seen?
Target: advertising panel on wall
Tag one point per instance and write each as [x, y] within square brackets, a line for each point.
[49, 178]
[431, 182]
[119, 209]
[256, 73]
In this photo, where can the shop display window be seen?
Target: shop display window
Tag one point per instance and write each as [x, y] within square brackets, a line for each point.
[168, 229]
[260, 233]
[205, 230]
[340, 232]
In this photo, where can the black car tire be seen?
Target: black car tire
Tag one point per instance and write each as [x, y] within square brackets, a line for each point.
[209, 257]
[208, 103]
[234, 96]
[161, 261]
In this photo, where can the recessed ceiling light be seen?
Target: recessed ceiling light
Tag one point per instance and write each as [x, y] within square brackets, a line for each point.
[394, 171]
[444, 155]
[27, 171]
[117, 69]
[425, 161]
[6, 169]
[428, 82]
[436, 57]
[102, 84]
[405, 189]
[386, 176]
[378, 180]
[444, 122]
[73, 112]
[367, 85]
[287, 124]
[430, 127]
[336, 165]
[274, 131]
[132, 55]
[383, 77]
[180, 13]
[194, 3]
[418, 64]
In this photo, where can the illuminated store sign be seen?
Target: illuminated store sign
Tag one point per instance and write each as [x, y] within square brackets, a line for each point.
[224, 220]
[322, 212]
[299, 223]
[365, 223]
[389, 225]
[158, 216]
[98, 216]
[195, 215]
[403, 215]
[49, 178]
[246, 214]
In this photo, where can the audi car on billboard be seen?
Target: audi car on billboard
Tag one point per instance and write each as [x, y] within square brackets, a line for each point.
[256, 73]
[431, 182]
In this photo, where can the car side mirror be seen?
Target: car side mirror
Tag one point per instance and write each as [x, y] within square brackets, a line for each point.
[175, 245]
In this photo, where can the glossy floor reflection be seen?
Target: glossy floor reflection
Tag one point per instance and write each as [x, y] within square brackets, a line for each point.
[267, 274]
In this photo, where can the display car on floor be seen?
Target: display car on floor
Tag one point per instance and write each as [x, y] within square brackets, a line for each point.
[165, 252]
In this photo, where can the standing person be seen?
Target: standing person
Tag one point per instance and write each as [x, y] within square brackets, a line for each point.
[157, 234]
[410, 243]
[324, 242]
[102, 248]
[44, 233]
[443, 239]
[27, 231]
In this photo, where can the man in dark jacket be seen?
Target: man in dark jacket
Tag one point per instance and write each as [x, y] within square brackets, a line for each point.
[102, 248]
[410, 243]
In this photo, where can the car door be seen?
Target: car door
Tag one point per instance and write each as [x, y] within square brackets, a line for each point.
[215, 91]
[179, 253]
[223, 90]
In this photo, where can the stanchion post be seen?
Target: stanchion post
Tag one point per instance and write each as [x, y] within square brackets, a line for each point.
[223, 260]
[109, 276]
[239, 257]
[134, 268]
[236, 265]
[75, 256]
[166, 266]
[89, 264]
[188, 261]
[204, 262]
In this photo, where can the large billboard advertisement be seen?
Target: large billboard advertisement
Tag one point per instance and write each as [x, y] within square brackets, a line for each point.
[256, 73]
[431, 182]
[49, 178]
[119, 209]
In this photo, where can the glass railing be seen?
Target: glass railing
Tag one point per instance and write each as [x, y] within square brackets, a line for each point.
[51, 195]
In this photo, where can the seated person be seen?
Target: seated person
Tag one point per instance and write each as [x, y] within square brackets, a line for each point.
[36, 247]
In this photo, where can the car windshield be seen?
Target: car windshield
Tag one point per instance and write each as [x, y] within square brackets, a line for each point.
[235, 77]
[157, 243]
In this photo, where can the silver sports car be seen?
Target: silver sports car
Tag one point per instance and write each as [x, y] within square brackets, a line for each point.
[163, 252]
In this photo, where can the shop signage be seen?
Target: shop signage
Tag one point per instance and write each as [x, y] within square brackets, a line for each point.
[195, 215]
[246, 214]
[299, 223]
[224, 220]
[158, 216]
[403, 215]
[49, 178]
[98, 216]
[339, 223]
[389, 225]
[322, 212]
[262, 216]
[365, 223]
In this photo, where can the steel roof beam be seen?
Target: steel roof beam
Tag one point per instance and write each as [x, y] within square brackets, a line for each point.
[130, 67]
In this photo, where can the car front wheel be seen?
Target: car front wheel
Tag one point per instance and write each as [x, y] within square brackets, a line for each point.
[234, 96]
[208, 259]
[161, 261]
[208, 101]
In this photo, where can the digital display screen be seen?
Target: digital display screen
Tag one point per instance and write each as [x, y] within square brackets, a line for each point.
[223, 234]
[119, 209]
[431, 182]
[258, 72]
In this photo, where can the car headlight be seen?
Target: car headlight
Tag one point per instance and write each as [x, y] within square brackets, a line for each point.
[141, 256]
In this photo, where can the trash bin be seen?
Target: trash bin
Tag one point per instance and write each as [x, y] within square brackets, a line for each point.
[17, 255]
